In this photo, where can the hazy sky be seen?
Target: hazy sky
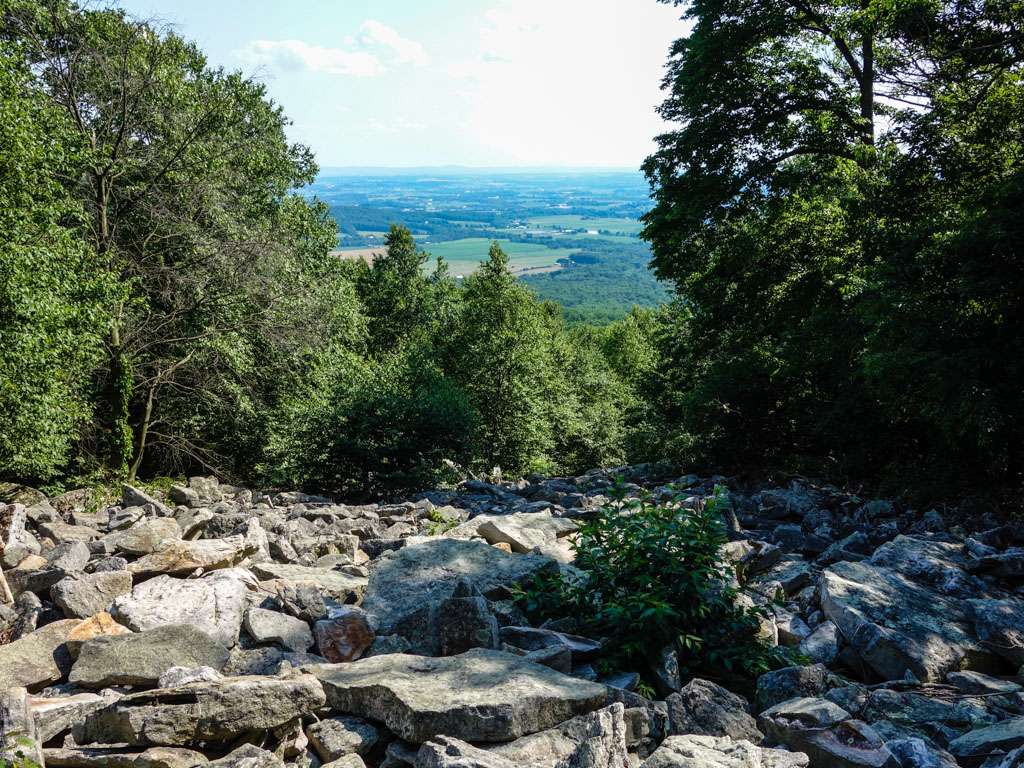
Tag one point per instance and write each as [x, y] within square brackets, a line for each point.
[437, 82]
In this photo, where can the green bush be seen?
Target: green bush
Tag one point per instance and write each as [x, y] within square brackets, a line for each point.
[653, 577]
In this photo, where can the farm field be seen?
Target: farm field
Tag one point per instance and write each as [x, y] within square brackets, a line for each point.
[572, 221]
[464, 256]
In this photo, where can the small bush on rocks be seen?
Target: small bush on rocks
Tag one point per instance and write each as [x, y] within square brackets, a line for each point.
[653, 577]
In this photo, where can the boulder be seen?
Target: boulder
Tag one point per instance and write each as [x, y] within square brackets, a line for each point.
[982, 742]
[139, 659]
[596, 739]
[182, 557]
[826, 733]
[720, 752]
[154, 757]
[201, 712]
[822, 645]
[37, 659]
[100, 624]
[266, 626]
[214, 604]
[81, 595]
[406, 586]
[465, 621]
[707, 709]
[794, 682]
[136, 497]
[248, 756]
[55, 715]
[535, 639]
[481, 695]
[336, 737]
[176, 676]
[897, 625]
[448, 752]
[146, 536]
[341, 586]
[1000, 627]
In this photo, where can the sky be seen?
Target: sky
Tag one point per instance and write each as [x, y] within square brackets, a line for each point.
[447, 82]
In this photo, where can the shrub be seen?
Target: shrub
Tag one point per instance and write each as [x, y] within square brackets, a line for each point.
[653, 577]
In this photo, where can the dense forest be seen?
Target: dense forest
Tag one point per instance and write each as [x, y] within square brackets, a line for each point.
[837, 209]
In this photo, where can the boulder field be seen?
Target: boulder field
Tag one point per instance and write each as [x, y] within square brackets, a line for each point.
[213, 625]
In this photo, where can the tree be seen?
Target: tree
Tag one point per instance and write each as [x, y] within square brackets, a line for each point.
[395, 291]
[52, 291]
[499, 353]
[819, 207]
[185, 178]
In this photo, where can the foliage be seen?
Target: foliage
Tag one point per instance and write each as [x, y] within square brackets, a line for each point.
[653, 576]
[834, 206]
[52, 290]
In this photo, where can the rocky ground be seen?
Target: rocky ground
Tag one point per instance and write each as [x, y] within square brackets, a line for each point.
[228, 627]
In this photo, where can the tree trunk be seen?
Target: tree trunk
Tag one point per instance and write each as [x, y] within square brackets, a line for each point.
[118, 397]
[147, 416]
[867, 88]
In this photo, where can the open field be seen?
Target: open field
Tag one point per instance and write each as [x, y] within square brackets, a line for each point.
[570, 221]
[464, 256]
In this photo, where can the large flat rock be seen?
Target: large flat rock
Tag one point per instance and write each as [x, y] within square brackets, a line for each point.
[201, 712]
[38, 659]
[406, 586]
[897, 624]
[140, 659]
[481, 695]
[214, 604]
[697, 751]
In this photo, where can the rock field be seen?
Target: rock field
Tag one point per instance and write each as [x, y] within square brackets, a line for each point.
[232, 628]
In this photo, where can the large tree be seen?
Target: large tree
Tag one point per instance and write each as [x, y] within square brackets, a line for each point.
[52, 290]
[185, 178]
[812, 205]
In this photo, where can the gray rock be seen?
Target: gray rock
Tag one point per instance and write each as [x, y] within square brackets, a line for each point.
[822, 645]
[176, 676]
[63, 533]
[406, 586]
[448, 752]
[201, 712]
[791, 683]
[181, 494]
[180, 557]
[343, 735]
[915, 753]
[140, 659]
[55, 715]
[1000, 626]
[69, 557]
[597, 739]
[214, 604]
[707, 709]
[720, 752]
[535, 639]
[136, 497]
[825, 733]
[266, 626]
[154, 757]
[979, 684]
[38, 658]
[384, 644]
[266, 661]
[145, 537]
[341, 586]
[465, 621]
[481, 695]
[81, 595]
[248, 756]
[982, 742]
[896, 625]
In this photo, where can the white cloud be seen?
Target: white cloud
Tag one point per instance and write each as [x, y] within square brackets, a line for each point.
[370, 53]
[295, 55]
[402, 49]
